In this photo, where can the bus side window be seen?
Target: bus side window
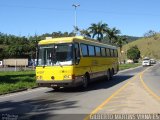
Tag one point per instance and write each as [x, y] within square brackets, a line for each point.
[112, 52]
[77, 53]
[108, 52]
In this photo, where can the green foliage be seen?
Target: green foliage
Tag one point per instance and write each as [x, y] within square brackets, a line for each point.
[120, 41]
[127, 66]
[101, 32]
[21, 47]
[98, 30]
[10, 81]
[113, 34]
[85, 33]
[150, 33]
[133, 53]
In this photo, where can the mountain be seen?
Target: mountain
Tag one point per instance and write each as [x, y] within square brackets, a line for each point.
[148, 46]
[131, 38]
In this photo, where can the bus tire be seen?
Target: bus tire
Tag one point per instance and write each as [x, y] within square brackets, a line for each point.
[109, 75]
[85, 81]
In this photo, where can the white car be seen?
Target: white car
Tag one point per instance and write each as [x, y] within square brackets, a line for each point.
[153, 61]
[146, 62]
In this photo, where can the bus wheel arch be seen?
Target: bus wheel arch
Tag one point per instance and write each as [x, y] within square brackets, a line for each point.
[87, 75]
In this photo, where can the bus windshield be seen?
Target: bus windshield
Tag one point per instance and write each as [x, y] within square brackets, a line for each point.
[55, 54]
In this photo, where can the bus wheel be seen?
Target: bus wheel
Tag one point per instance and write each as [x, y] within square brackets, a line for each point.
[109, 75]
[56, 88]
[85, 82]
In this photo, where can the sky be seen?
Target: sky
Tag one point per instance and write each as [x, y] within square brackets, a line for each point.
[30, 17]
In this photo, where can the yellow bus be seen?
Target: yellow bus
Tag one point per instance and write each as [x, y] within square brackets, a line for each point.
[74, 61]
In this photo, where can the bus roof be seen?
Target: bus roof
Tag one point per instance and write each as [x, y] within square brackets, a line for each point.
[79, 39]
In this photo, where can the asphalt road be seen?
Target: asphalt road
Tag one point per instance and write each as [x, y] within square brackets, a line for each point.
[47, 104]
[152, 79]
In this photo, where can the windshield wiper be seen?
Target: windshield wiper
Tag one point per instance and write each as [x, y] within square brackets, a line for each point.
[55, 58]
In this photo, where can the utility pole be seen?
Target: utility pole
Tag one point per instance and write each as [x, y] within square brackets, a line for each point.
[75, 15]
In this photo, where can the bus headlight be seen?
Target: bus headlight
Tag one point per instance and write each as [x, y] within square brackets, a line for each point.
[67, 76]
[39, 77]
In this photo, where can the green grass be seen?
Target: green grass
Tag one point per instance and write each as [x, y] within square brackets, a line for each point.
[127, 66]
[10, 81]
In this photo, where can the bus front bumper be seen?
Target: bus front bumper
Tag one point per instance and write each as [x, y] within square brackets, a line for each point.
[60, 83]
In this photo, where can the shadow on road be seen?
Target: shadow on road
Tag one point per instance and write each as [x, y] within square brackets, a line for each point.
[33, 109]
[45, 108]
[99, 84]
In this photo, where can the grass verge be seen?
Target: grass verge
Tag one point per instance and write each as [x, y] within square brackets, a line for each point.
[12, 81]
[127, 66]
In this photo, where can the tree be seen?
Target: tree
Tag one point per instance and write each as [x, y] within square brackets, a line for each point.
[133, 53]
[112, 34]
[85, 33]
[98, 30]
[150, 33]
[120, 41]
[18, 47]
